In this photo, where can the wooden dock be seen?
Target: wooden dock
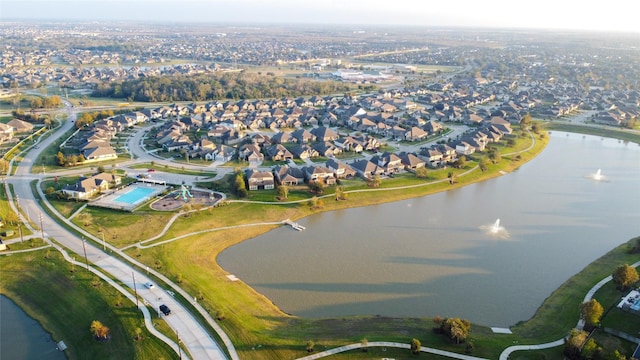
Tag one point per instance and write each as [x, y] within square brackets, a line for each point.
[294, 225]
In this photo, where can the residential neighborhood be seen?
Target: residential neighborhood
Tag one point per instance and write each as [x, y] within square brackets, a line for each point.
[291, 191]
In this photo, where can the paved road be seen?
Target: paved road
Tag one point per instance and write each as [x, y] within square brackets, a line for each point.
[193, 335]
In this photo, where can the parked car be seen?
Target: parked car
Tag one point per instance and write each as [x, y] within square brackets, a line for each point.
[149, 285]
[165, 309]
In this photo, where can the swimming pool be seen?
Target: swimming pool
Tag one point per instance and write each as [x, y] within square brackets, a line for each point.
[135, 196]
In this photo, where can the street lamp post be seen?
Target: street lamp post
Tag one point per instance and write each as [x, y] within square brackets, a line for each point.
[84, 248]
[134, 287]
[104, 245]
[42, 229]
[179, 349]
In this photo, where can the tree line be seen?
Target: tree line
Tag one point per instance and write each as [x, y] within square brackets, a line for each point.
[215, 87]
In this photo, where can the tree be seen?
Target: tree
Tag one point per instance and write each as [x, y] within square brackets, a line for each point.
[4, 166]
[282, 192]
[415, 346]
[457, 329]
[11, 218]
[526, 121]
[624, 276]
[452, 177]
[591, 311]
[99, 331]
[364, 343]
[461, 162]
[574, 343]
[421, 172]
[495, 157]
[484, 164]
[310, 345]
[316, 186]
[118, 299]
[138, 333]
[61, 158]
[375, 182]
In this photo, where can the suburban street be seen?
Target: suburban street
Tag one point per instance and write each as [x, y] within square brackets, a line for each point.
[192, 334]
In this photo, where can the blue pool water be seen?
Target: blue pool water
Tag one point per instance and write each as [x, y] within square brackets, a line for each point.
[134, 196]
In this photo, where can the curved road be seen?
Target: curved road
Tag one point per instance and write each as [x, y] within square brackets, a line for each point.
[193, 335]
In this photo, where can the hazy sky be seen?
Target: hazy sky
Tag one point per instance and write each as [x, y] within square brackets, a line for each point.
[611, 15]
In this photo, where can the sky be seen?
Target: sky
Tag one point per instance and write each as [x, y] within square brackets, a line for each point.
[610, 15]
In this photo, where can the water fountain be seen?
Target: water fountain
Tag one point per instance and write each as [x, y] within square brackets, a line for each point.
[495, 230]
[598, 176]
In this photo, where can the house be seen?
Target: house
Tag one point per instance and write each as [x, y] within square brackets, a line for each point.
[324, 134]
[348, 143]
[277, 152]
[464, 148]
[390, 162]
[411, 161]
[250, 152]
[433, 127]
[340, 169]
[326, 149]
[366, 169]
[415, 134]
[222, 153]
[259, 180]
[6, 132]
[303, 136]
[304, 151]
[319, 173]
[288, 176]
[85, 188]
[99, 153]
[283, 137]
[222, 133]
[433, 156]
[20, 126]
[179, 143]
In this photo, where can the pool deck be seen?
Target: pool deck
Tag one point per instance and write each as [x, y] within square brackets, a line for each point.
[109, 200]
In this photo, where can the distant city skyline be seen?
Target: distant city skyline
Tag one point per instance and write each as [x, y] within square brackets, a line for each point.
[612, 15]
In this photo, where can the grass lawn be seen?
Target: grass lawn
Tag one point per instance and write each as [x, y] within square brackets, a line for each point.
[67, 309]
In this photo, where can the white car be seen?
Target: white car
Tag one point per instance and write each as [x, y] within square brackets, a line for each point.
[149, 285]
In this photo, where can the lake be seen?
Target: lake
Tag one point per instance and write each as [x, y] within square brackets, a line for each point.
[23, 337]
[432, 255]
